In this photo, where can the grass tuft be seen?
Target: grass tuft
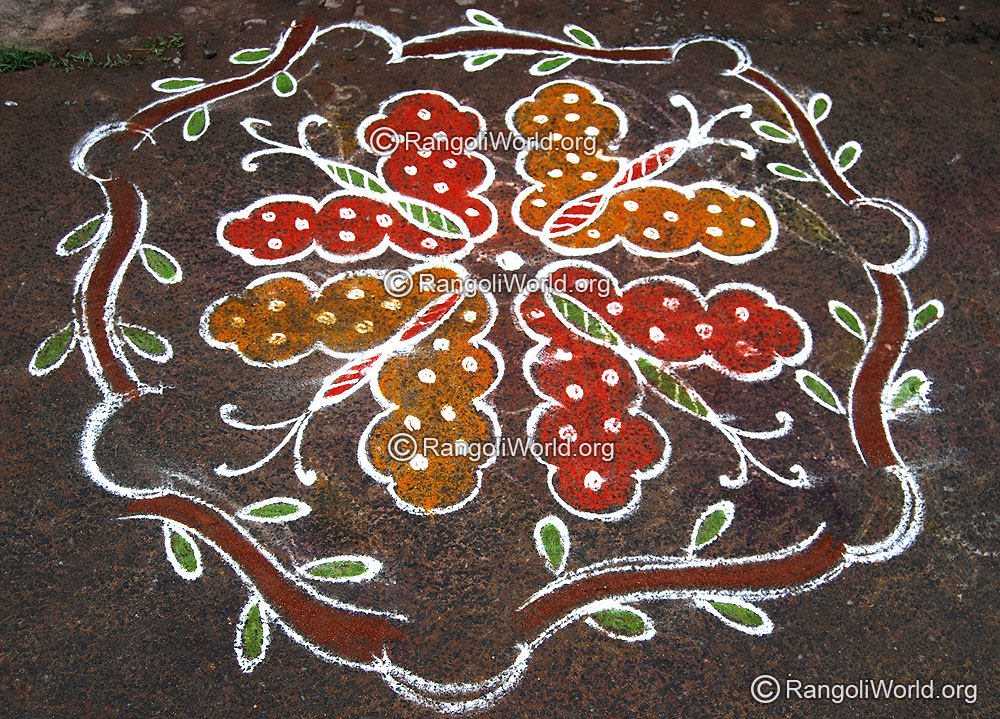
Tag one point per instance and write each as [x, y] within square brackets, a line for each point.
[19, 58]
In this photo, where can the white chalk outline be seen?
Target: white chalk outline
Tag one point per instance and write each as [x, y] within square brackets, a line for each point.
[249, 664]
[73, 327]
[727, 508]
[613, 606]
[834, 305]
[171, 527]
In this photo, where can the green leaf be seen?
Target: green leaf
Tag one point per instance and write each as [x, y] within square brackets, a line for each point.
[161, 265]
[711, 524]
[176, 84]
[80, 236]
[582, 319]
[341, 568]
[770, 131]
[848, 319]
[801, 220]
[581, 36]
[913, 385]
[482, 19]
[551, 65]
[429, 219]
[552, 542]
[926, 316]
[182, 552]
[181, 549]
[274, 510]
[252, 635]
[352, 177]
[147, 343]
[622, 622]
[847, 155]
[277, 509]
[250, 56]
[284, 84]
[819, 106]
[819, 390]
[474, 63]
[672, 388]
[709, 529]
[790, 173]
[345, 568]
[196, 124]
[739, 614]
[53, 351]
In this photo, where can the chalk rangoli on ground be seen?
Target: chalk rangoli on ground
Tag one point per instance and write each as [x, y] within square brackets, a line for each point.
[610, 361]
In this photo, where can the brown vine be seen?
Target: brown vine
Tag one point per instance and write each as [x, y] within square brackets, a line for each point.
[876, 369]
[486, 41]
[788, 571]
[352, 635]
[125, 207]
[297, 39]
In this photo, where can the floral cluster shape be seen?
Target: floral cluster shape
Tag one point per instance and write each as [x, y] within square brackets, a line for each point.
[424, 200]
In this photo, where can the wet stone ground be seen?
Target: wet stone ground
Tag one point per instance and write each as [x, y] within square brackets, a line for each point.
[99, 624]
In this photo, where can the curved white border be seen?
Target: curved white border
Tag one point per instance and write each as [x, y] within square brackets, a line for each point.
[461, 697]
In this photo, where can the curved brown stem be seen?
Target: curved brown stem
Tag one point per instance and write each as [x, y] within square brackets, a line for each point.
[784, 572]
[498, 40]
[811, 141]
[297, 39]
[888, 339]
[96, 292]
[355, 636]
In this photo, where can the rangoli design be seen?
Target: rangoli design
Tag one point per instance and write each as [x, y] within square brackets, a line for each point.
[639, 336]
